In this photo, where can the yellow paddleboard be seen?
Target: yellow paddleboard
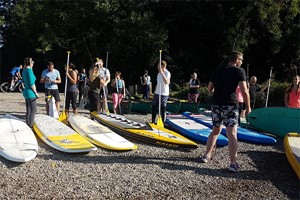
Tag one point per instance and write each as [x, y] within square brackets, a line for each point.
[292, 151]
[146, 132]
[59, 136]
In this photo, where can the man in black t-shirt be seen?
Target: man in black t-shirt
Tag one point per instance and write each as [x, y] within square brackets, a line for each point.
[224, 82]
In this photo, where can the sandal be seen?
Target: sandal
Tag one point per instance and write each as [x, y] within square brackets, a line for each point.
[205, 159]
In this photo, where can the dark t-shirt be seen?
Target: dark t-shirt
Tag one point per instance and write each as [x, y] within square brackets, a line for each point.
[226, 80]
[194, 90]
[252, 91]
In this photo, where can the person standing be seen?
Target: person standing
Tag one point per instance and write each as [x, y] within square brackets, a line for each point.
[224, 82]
[194, 85]
[51, 77]
[30, 94]
[254, 89]
[162, 89]
[15, 76]
[94, 88]
[104, 75]
[145, 84]
[118, 92]
[72, 90]
[81, 83]
[292, 94]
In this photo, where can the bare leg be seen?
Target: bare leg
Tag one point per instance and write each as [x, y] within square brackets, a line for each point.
[57, 106]
[99, 105]
[47, 108]
[212, 139]
[231, 133]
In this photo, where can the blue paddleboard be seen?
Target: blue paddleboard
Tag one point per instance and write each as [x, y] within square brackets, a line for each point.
[193, 130]
[242, 133]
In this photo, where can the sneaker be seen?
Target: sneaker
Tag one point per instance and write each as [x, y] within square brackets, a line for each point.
[234, 167]
[204, 159]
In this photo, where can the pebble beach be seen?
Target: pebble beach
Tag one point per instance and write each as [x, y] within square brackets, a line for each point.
[149, 172]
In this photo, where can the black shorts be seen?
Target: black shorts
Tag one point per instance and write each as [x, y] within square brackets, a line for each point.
[54, 93]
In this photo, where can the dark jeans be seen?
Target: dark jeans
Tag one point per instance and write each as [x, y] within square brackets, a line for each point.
[31, 109]
[93, 98]
[145, 91]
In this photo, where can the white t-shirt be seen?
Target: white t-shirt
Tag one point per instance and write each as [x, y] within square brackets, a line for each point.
[161, 85]
[104, 73]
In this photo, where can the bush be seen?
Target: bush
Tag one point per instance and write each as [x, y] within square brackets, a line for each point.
[276, 95]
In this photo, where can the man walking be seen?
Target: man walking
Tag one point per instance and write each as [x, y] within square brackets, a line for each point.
[224, 82]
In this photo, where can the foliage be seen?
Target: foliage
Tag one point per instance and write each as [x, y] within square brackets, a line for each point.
[194, 35]
[276, 95]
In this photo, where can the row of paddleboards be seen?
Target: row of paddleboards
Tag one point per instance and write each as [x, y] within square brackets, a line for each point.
[20, 144]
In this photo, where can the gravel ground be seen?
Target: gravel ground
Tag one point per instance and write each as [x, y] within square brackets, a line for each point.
[150, 172]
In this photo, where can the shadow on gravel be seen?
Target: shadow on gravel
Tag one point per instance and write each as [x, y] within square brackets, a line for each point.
[8, 163]
[20, 115]
[274, 167]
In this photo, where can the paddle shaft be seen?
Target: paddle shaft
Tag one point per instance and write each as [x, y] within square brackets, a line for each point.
[66, 81]
[268, 91]
[159, 95]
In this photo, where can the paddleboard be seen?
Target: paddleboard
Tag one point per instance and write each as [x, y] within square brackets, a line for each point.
[59, 136]
[17, 141]
[243, 134]
[292, 150]
[192, 129]
[276, 120]
[98, 134]
[145, 132]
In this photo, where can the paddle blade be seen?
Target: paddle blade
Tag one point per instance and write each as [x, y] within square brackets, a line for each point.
[160, 122]
[63, 117]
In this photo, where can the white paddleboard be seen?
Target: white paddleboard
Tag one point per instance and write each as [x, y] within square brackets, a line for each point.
[17, 141]
[98, 134]
[59, 136]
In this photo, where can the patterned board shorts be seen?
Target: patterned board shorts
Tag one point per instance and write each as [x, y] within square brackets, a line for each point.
[225, 114]
[164, 100]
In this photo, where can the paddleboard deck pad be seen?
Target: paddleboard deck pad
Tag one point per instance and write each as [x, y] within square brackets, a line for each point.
[17, 141]
[192, 129]
[243, 134]
[98, 134]
[59, 136]
[148, 132]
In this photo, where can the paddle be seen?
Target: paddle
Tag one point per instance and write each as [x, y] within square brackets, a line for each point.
[159, 118]
[63, 116]
[269, 83]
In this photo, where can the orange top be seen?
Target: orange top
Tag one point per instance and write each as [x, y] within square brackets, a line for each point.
[294, 99]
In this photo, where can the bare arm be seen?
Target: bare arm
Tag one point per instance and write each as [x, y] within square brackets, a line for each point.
[210, 87]
[72, 77]
[124, 89]
[246, 96]
[286, 98]
[166, 80]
